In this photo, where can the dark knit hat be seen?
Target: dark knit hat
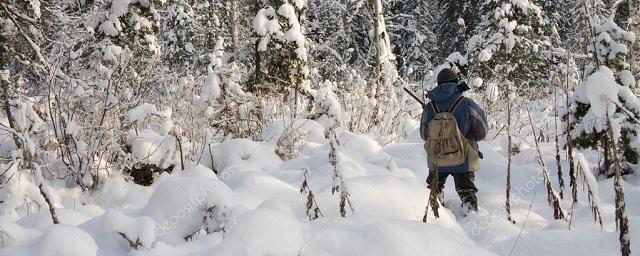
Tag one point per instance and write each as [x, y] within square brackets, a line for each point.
[447, 75]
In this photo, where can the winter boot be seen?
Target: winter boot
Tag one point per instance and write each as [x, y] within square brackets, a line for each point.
[469, 207]
[469, 201]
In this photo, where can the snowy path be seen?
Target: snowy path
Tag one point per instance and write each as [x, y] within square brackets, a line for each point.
[387, 191]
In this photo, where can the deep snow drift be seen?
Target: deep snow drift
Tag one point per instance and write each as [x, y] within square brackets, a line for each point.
[253, 206]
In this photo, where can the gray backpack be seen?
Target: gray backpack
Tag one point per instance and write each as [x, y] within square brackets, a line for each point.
[445, 146]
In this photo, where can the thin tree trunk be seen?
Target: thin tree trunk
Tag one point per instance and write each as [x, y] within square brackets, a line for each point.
[559, 165]
[52, 210]
[552, 197]
[569, 140]
[622, 221]
[377, 68]
[181, 153]
[591, 32]
[606, 162]
[634, 25]
[507, 204]
[258, 70]
[235, 34]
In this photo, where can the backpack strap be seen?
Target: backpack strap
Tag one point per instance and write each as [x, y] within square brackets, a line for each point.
[456, 104]
[435, 107]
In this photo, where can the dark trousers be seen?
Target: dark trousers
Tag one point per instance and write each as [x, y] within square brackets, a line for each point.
[464, 183]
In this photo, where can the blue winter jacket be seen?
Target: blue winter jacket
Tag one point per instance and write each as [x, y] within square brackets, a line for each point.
[471, 119]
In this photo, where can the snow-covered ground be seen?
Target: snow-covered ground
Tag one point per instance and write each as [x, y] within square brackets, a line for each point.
[254, 207]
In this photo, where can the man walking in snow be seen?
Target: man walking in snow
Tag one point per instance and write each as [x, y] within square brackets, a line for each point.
[452, 151]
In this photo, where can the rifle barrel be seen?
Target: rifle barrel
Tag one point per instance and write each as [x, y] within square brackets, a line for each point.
[414, 96]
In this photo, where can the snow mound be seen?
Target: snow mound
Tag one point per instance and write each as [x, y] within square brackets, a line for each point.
[239, 152]
[264, 232]
[65, 240]
[374, 238]
[140, 229]
[180, 204]
[42, 218]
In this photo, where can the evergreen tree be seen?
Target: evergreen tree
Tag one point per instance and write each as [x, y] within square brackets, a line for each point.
[622, 105]
[456, 25]
[511, 35]
[189, 31]
[281, 62]
[329, 39]
[634, 26]
[339, 32]
[559, 23]
[410, 24]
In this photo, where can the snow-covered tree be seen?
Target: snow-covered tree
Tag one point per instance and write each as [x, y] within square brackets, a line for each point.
[221, 95]
[510, 36]
[281, 54]
[411, 35]
[559, 15]
[189, 31]
[340, 32]
[384, 71]
[634, 26]
[183, 39]
[607, 94]
[456, 25]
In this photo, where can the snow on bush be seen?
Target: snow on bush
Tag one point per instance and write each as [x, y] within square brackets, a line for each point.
[211, 89]
[328, 105]
[311, 130]
[589, 178]
[600, 91]
[18, 194]
[612, 40]
[239, 152]
[140, 113]
[149, 147]
[294, 32]
[155, 144]
[180, 204]
[626, 78]
[138, 230]
[266, 23]
[110, 53]
[119, 8]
